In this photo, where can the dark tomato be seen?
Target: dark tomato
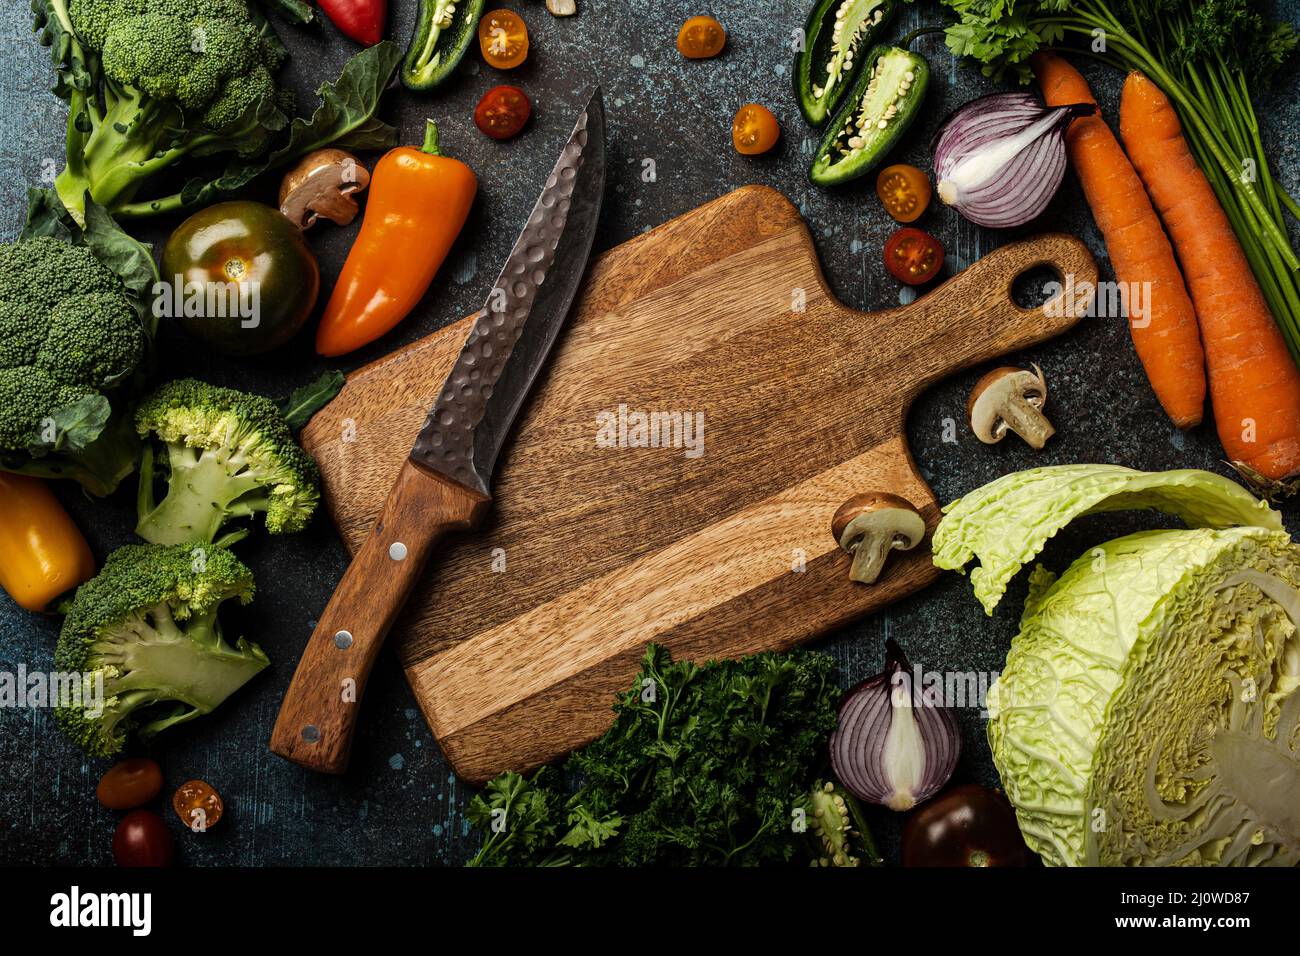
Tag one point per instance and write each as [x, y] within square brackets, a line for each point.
[969, 825]
[913, 256]
[142, 839]
[247, 280]
[502, 112]
[198, 805]
[131, 783]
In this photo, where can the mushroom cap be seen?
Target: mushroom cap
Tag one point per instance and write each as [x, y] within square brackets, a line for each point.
[881, 503]
[323, 184]
[991, 392]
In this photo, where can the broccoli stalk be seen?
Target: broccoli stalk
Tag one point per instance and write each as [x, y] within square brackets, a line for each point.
[146, 630]
[228, 455]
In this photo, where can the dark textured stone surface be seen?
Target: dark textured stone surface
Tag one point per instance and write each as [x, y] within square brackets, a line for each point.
[399, 803]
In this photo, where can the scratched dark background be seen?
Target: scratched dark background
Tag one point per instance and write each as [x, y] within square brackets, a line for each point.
[399, 803]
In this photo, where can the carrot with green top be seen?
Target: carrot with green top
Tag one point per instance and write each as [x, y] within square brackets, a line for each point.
[1254, 384]
[1164, 328]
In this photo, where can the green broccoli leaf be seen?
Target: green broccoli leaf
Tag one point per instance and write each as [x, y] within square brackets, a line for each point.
[305, 402]
[73, 427]
[47, 216]
[293, 10]
[346, 119]
[131, 259]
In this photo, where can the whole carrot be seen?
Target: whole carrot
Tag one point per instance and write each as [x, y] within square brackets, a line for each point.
[1165, 334]
[1254, 384]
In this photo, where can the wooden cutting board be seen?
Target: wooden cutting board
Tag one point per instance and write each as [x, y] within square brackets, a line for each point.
[524, 631]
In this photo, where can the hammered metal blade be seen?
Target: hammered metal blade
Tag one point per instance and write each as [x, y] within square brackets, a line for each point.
[513, 333]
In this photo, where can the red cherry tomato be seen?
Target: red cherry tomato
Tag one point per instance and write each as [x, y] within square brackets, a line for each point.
[131, 783]
[969, 825]
[913, 256]
[503, 112]
[142, 839]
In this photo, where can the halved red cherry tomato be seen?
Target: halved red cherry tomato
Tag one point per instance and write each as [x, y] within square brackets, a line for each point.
[904, 190]
[503, 38]
[754, 130]
[913, 256]
[701, 38]
[502, 112]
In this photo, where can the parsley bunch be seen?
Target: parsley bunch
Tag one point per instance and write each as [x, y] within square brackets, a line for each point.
[1208, 56]
[703, 766]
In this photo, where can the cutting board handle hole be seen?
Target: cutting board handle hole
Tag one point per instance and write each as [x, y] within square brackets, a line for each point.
[1034, 286]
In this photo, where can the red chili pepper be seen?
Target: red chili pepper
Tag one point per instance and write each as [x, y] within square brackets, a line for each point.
[360, 20]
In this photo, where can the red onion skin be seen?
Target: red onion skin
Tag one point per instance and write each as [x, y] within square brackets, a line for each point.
[1024, 187]
[865, 717]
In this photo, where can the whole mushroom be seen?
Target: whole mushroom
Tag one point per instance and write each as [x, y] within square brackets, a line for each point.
[869, 526]
[1010, 399]
[323, 185]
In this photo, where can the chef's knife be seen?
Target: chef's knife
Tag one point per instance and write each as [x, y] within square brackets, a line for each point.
[445, 483]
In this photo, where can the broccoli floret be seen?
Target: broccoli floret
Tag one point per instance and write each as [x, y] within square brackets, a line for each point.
[145, 640]
[156, 81]
[227, 455]
[68, 332]
[27, 399]
[93, 340]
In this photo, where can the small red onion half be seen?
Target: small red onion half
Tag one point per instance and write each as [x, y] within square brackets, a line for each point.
[1000, 159]
[892, 746]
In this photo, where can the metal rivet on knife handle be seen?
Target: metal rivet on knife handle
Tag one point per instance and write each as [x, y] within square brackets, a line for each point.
[343, 640]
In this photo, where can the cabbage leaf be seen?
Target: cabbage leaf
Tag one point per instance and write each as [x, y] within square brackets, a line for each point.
[1008, 521]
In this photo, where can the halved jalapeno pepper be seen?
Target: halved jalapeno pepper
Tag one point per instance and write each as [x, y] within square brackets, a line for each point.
[444, 30]
[884, 101]
[836, 38]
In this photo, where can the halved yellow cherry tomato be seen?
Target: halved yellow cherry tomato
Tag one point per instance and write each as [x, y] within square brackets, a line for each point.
[904, 190]
[701, 38]
[754, 130]
[503, 38]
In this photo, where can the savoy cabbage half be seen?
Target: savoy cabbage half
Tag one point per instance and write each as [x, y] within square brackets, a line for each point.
[1149, 712]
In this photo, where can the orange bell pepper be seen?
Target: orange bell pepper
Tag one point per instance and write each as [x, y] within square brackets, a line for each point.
[419, 200]
[42, 554]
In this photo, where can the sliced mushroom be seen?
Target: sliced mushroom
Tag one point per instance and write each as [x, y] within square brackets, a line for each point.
[869, 526]
[323, 185]
[1010, 399]
[562, 8]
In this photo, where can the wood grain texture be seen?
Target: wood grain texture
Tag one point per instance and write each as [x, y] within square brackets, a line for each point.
[608, 548]
[318, 715]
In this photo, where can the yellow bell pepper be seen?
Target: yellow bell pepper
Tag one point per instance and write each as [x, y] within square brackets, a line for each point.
[42, 553]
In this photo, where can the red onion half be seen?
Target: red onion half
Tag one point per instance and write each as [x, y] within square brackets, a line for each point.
[1000, 159]
[892, 746]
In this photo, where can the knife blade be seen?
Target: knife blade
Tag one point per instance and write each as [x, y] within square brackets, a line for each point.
[445, 483]
[522, 316]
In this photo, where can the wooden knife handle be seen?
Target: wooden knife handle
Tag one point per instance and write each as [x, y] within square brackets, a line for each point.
[319, 711]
